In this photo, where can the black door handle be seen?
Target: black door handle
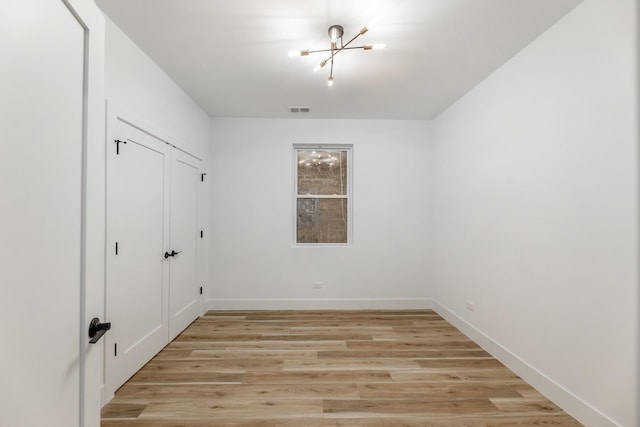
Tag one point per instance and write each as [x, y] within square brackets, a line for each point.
[172, 254]
[97, 330]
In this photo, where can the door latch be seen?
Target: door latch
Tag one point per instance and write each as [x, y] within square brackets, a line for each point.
[97, 330]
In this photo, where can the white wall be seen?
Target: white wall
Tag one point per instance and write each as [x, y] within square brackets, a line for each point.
[535, 221]
[253, 263]
[135, 84]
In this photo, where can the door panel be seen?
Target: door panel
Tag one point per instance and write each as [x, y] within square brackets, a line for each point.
[184, 293]
[41, 175]
[137, 279]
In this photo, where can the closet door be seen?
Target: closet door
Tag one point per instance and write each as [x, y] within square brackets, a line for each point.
[184, 294]
[138, 236]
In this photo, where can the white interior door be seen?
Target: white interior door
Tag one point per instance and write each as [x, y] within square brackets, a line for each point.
[137, 238]
[42, 117]
[184, 293]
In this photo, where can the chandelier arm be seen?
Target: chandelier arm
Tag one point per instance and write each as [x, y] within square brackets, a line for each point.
[333, 53]
[344, 47]
[331, 71]
[336, 50]
[349, 42]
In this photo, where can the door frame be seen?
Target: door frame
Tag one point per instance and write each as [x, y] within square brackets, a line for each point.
[92, 284]
[177, 315]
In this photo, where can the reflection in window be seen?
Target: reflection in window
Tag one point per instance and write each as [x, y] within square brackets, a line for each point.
[322, 195]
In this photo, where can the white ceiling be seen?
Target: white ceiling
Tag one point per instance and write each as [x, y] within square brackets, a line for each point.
[231, 57]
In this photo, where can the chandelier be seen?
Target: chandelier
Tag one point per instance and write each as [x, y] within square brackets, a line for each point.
[336, 46]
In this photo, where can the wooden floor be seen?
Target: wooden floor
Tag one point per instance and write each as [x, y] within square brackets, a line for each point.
[327, 368]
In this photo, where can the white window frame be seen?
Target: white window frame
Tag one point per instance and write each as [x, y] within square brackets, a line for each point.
[349, 196]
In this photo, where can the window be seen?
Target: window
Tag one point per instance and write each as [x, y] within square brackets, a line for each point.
[323, 195]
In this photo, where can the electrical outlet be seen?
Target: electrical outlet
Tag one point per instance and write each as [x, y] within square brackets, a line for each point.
[471, 306]
[316, 285]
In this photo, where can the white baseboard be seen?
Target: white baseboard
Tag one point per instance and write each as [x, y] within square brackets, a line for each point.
[573, 405]
[319, 304]
[103, 395]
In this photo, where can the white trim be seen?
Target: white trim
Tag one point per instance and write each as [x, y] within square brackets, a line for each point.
[321, 196]
[91, 357]
[121, 113]
[103, 394]
[568, 401]
[319, 304]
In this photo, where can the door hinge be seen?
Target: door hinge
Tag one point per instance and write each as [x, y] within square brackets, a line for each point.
[116, 248]
[115, 349]
[118, 142]
[201, 234]
[200, 290]
[202, 177]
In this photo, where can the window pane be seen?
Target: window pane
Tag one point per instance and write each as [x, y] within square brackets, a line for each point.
[322, 220]
[322, 172]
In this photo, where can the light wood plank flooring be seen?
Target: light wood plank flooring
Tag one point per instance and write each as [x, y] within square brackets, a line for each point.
[406, 368]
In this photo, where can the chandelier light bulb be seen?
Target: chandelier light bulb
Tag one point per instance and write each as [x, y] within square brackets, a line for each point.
[330, 81]
[379, 46]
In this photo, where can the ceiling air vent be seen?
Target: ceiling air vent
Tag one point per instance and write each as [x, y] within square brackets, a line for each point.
[299, 109]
